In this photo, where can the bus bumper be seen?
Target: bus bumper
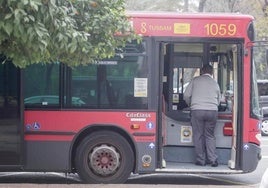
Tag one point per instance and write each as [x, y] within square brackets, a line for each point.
[251, 154]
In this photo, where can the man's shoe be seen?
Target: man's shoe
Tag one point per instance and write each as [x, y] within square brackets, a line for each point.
[214, 164]
[208, 162]
[200, 164]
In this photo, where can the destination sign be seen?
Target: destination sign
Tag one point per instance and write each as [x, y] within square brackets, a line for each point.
[190, 27]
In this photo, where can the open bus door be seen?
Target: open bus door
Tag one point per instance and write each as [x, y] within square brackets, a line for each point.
[162, 101]
[10, 115]
[180, 62]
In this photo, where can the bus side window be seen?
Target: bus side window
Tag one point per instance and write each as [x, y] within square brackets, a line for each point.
[109, 83]
[106, 95]
[42, 85]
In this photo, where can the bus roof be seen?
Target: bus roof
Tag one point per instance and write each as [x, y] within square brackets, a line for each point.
[228, 25]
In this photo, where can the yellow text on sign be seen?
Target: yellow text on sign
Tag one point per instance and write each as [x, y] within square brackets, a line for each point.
[214, 29]
[182, 28]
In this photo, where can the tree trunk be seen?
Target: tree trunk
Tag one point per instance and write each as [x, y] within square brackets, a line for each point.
[186, 5]
[201, 5]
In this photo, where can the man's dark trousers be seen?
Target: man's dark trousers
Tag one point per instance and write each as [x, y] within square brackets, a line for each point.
[203, 124]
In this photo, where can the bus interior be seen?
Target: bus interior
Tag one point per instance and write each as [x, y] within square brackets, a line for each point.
[182, 62]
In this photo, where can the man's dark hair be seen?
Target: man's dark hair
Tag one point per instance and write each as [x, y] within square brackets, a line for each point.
[207, 69]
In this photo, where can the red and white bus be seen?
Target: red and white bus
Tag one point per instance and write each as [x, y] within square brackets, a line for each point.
[127, 114]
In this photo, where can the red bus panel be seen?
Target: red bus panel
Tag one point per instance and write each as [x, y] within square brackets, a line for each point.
[63, 125]
[187, 25]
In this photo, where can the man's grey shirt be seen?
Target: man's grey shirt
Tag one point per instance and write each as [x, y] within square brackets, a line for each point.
[203, 93]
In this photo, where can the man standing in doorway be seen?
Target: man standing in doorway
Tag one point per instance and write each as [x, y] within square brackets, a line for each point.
[203, 96]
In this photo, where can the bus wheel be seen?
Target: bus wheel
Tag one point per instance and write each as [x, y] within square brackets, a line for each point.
[104, 157]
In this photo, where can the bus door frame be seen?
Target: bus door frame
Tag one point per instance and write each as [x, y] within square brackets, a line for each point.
[160, 50]
[237, 118]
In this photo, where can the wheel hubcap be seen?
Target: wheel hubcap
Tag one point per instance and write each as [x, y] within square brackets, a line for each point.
[104, 160]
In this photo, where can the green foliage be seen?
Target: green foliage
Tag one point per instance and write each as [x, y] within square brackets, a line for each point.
[70, 31]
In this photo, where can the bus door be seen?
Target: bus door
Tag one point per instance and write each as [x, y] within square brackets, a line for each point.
[227, 62]
[181, 62]
[10, 115]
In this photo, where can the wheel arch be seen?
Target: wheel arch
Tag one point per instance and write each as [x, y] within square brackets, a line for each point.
[101, 127]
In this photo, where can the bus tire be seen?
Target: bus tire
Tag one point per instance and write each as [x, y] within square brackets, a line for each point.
[104, 157]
